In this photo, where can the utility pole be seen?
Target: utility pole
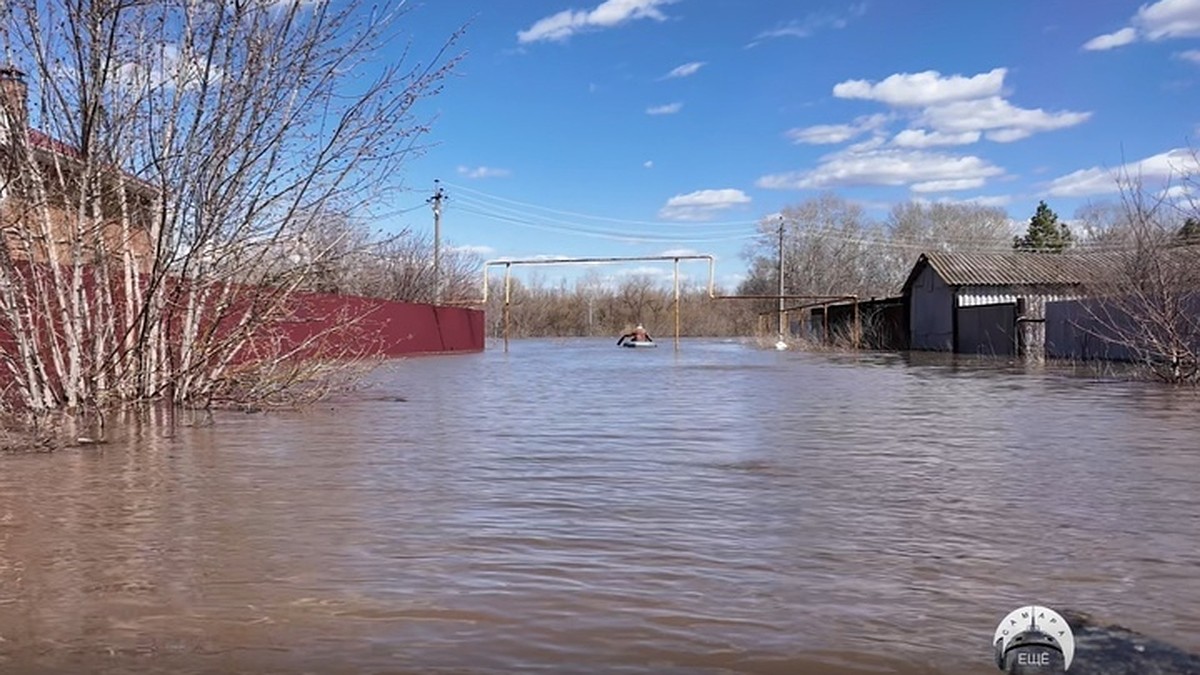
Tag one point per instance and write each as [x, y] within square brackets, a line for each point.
[436, 200]
[780, 278]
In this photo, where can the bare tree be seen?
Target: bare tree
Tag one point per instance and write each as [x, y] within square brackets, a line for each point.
[917, 227]
[599, 306]
[830, 247]
[1145, 299]
[1103, 225]
[181, 151]
[400, 267]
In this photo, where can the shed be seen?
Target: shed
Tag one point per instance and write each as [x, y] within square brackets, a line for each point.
[968, 302]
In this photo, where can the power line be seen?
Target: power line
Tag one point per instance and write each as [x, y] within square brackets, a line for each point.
[622, 221]
[526, 215]
[632, 237]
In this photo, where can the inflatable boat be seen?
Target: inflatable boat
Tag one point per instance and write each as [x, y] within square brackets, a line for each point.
[639, 343]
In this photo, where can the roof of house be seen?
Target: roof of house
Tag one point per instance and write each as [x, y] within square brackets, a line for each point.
[44, 141]
[41, 139]
[1015, 268]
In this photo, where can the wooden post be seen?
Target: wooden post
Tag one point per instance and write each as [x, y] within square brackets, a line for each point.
[857, 325]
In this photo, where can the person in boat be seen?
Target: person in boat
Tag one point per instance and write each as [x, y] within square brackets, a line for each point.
[638, 334]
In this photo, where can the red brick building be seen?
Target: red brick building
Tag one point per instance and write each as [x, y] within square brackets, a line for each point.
[55, 200]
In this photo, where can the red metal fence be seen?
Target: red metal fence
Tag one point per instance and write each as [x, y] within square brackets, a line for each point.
[314, 325]
[384, 327]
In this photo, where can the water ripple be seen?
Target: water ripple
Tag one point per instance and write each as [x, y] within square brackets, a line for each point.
[570, 507]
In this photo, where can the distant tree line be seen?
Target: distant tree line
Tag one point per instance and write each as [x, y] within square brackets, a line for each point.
[594, 306]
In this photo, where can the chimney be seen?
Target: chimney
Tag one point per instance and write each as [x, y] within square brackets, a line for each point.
[14, 94]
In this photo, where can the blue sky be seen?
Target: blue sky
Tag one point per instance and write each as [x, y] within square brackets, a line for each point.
[650, 127]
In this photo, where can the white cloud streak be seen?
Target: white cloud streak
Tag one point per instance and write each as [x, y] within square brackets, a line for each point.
[1111, 40]
[686, 70]
[1162, 20]
[1169, 19]
[608, 14]
[667, 109]
[823, 134]
[1164, 167]
[1001, 121]
[921, 138]
[478, 172]
[702, 205]
[476, 249]
[166, 67]
[923, 89]
[922, 171]
[809, 25]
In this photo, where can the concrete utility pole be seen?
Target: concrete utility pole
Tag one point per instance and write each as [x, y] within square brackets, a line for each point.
[781, 278]
[436, 200]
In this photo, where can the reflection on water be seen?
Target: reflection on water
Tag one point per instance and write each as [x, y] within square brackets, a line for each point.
[571, 507]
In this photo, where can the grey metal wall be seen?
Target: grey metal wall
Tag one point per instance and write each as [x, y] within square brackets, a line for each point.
[987, 330]
[1074, 332]
[931, 318]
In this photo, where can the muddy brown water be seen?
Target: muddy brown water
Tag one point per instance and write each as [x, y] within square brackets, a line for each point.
[570, 507]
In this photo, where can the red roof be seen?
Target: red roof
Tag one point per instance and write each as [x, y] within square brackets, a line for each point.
[40, 139]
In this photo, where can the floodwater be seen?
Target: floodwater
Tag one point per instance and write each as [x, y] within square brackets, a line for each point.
[570, 507]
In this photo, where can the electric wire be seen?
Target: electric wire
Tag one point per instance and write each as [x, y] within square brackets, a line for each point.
[532, 216]
[610, 236]
[623, 221]
[573, 225]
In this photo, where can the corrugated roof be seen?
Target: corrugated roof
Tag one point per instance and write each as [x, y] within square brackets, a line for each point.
[1016, 268]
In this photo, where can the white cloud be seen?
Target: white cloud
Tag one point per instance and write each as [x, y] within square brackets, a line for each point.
[953, 110]
[1161, 20]
[948, 185]
[942, 111]
[1085, 182]
[1169, 19]
[479, 250]
[483, 172]
[649, 164]
[164, 66]
[702, 204]
[836, 133]
[806, 27]
[668, 109]
[652, 271]
[1177, 193]
[923, 171]
[1002, 121]
[679, 252]
[1111, 40]
[608, 14]
[990, 200]
[824, 133]
[924, 88]
[920, 138]
[686, 70]
[1192, 55]
[1163, 167]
